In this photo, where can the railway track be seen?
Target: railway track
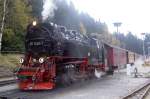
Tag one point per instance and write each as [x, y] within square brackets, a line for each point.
[140, 93]
[6, 82]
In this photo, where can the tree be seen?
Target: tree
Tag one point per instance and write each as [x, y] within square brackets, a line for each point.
[130, 42]
[3, 23]
[16, 20]
[37, 7]
[147, 43]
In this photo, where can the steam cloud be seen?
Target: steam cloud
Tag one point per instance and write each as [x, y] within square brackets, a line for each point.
[48, 9]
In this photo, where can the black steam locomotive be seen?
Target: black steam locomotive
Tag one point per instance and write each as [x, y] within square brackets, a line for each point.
[57, 55]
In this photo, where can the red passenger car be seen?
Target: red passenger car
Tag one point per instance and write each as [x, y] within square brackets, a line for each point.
[117, 57]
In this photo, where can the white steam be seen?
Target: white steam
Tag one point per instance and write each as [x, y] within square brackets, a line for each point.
[48, 9]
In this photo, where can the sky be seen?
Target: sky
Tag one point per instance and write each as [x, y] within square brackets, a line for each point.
[133, 14]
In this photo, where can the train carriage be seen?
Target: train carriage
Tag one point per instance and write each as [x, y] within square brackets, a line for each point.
[116, 57]
[130, 57]
[119, 57]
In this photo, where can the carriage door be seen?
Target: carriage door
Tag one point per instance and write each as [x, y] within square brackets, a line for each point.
[108, 57]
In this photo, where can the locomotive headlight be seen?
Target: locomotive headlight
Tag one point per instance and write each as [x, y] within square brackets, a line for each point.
[34, 23]
[41, 60]
[21, 60]
[34, 60]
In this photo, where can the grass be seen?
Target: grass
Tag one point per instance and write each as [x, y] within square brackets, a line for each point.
[9, 61]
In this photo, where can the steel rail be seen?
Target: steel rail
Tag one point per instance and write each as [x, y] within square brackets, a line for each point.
[144, 94]
[6, 82]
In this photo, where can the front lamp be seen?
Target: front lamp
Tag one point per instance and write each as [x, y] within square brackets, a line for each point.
[34, 23]
[21, 60]
[41, 60]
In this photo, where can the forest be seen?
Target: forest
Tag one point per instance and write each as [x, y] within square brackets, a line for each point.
[15, 15]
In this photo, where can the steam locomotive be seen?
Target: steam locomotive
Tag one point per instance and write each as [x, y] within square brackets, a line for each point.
[55, 55]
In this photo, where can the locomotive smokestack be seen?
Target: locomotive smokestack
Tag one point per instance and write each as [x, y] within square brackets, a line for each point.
[48, 9]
